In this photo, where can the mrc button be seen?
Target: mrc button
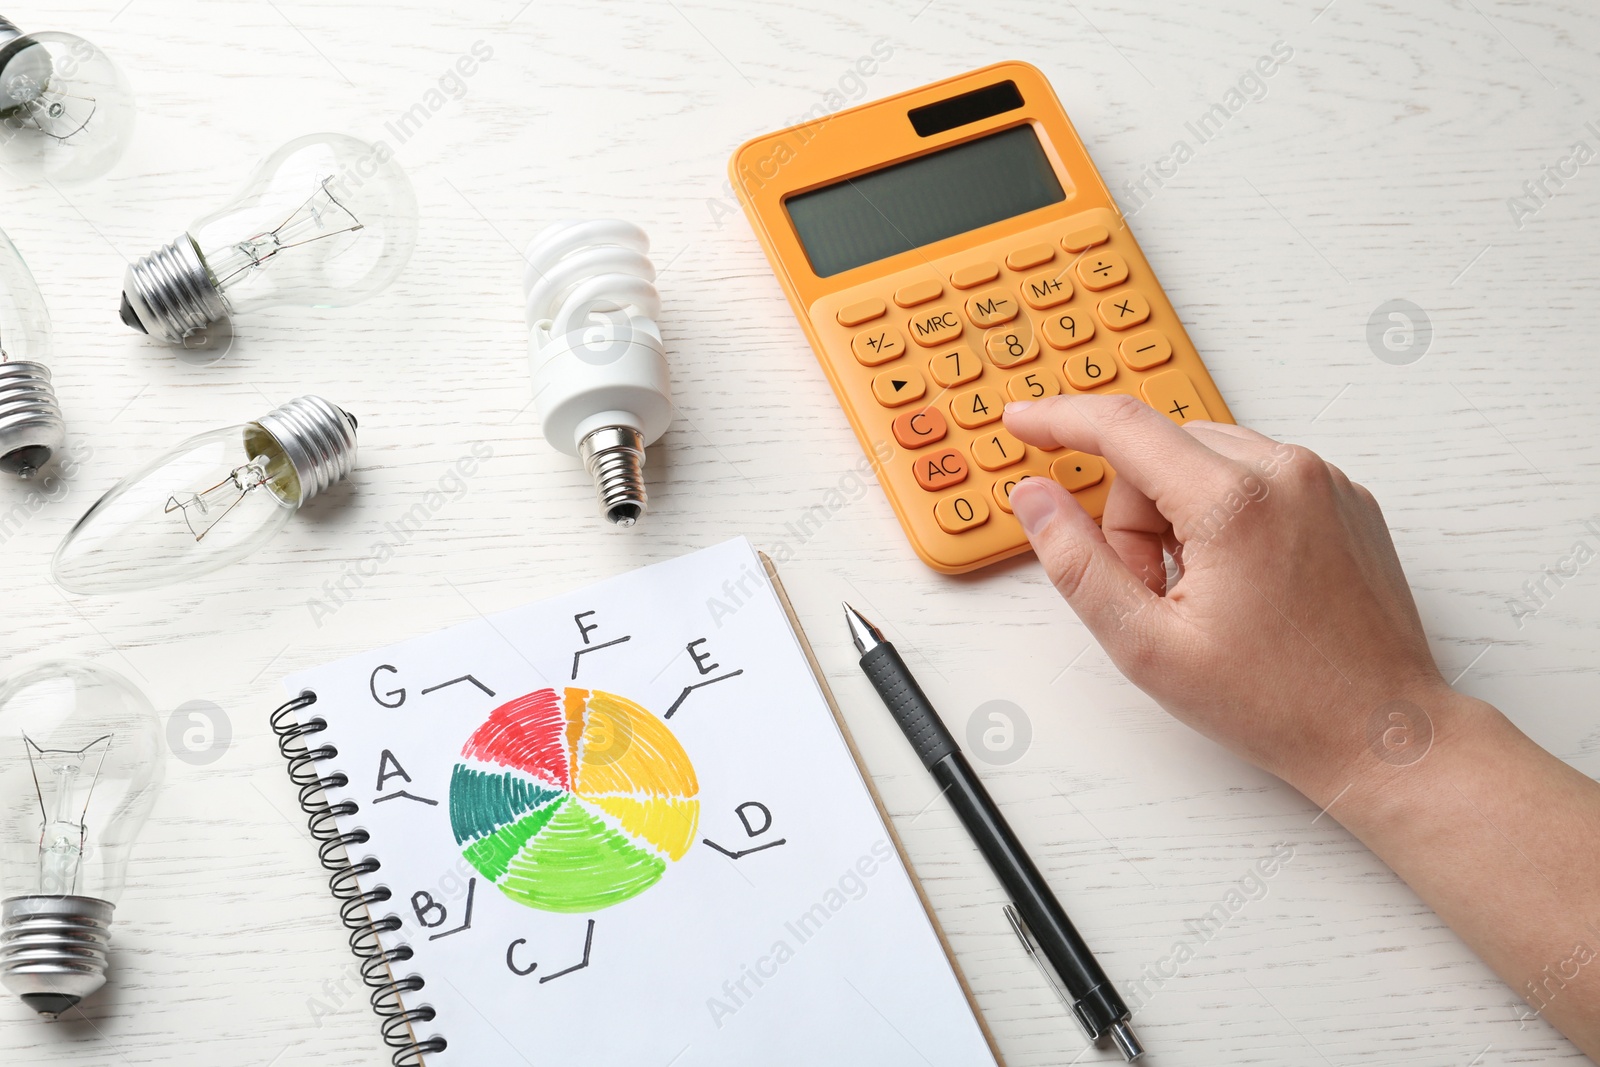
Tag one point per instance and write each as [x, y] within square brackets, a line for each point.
[935, 326]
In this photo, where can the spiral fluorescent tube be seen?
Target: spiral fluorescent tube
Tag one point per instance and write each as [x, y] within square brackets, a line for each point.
[599, 368]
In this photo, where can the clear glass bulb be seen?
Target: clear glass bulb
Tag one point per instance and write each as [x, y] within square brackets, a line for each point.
[66, 112]
[325, 221]
[211, 501]
[31, 428]
[80, 766]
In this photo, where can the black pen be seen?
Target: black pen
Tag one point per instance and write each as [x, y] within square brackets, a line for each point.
[1036, 916]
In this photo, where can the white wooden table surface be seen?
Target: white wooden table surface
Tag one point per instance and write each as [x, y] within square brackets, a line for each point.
[1376, 165]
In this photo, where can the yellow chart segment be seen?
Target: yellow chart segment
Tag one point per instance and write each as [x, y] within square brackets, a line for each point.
[617, 747]
[665, 822]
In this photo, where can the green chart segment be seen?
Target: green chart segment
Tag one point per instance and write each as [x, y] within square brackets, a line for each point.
[561, 815]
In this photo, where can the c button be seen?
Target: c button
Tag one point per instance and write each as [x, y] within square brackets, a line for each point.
[921, 427]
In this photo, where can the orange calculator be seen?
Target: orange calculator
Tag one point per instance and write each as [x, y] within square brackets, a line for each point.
[948, 250]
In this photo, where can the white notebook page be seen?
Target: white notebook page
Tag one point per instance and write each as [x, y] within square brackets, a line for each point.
[722, 870]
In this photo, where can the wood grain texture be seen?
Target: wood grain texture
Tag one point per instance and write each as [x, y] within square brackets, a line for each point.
[1376, 166]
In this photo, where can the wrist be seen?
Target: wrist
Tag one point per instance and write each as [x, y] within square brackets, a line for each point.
[1401, 756]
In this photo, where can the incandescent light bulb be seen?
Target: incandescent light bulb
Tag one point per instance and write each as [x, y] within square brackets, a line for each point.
[325, 221]
[31, 430]
[66, 112]
[211, 501]
[80, 764]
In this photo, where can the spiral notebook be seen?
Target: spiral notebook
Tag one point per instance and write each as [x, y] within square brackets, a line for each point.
[622, 826]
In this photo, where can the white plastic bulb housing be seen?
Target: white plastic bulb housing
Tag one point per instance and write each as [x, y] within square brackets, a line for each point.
[31, 428]
[66, 112]
[212, 501]
[600, 380]
[80, 766]
[325, 221]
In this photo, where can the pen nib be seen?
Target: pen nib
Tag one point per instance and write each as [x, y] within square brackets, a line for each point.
[863, 633]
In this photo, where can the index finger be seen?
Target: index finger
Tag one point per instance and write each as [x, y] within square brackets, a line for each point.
[1167, 465]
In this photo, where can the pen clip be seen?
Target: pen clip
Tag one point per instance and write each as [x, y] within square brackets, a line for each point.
[1031, 946]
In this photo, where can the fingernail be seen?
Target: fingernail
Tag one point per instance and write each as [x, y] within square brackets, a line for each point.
[1017, 406]
[1033, 505]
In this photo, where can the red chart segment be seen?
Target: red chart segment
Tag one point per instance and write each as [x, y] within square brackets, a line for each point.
[527, 734]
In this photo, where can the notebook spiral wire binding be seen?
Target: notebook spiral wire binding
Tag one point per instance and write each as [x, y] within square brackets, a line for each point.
[355, 906]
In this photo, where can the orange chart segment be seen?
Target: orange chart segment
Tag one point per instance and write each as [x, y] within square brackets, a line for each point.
[625, 749]
[668, 823]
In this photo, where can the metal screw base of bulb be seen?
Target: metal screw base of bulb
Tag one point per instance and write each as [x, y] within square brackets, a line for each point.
[53, 949]
[318, 439]
[614, 456]
[31, 427]
[170, 293]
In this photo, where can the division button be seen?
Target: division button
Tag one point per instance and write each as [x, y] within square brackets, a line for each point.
[1102, 270]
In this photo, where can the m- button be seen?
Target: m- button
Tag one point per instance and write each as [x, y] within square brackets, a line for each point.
[935, 326]
[992, 307]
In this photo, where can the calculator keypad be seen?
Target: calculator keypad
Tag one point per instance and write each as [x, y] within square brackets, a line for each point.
[932, 354]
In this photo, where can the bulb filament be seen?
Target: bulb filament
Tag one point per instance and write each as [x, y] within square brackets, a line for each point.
[46, 110]
[62, 828]
[198, 508]
[321, 215]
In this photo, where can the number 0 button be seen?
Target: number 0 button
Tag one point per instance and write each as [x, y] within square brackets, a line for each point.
[896, 387]
[960, 513]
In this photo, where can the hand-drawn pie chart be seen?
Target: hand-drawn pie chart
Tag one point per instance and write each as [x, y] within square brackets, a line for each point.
[573, 801]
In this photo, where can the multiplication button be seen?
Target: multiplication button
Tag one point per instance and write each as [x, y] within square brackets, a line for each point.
[1124, 310]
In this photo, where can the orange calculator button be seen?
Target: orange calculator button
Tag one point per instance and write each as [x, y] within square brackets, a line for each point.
[917, 428]
[862, 311]
[960, 513]
[1031, 256]
[997, 450]
[1068, 328]
[974, 275]
[896, 387]
[1172, 393]
[1078, 470]
[1079, 240]
[909, 296]
[1012, 344]
[1102, 270]
[977, 407]
[1033, 385]
[935, 326]
[1047, 289]
[1089, 369]
[878, 345]
[1002, 488]
[940, 470]
[955, 367]
[992, 307]
[1124, 310]
[1145, 349]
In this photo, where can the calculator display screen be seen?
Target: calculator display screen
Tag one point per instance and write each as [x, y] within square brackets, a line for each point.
[966, 186]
